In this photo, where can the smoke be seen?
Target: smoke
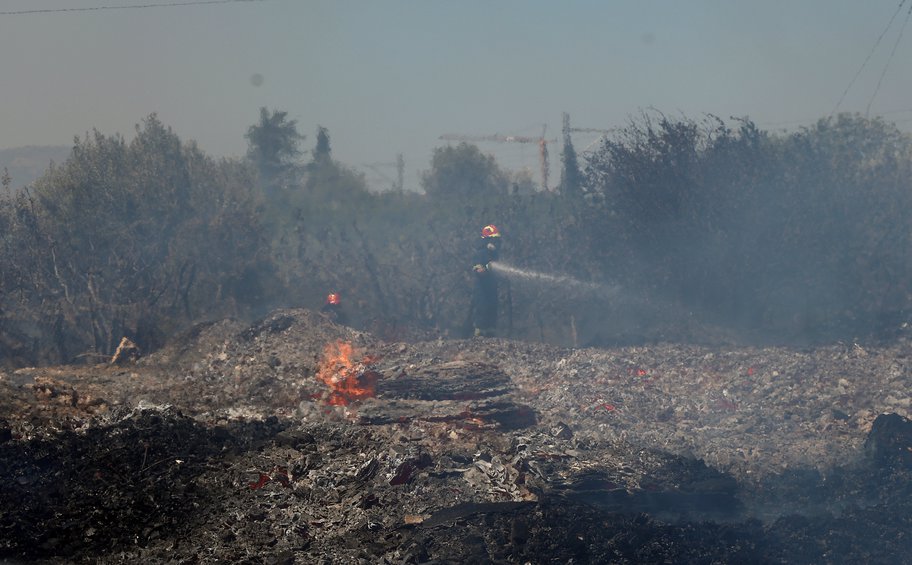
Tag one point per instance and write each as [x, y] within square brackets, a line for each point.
[596, 290]
[599, 314]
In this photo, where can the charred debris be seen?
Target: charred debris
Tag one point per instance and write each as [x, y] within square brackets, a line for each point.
[296, 440]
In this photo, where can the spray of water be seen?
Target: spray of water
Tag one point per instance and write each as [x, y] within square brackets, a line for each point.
[562, 281]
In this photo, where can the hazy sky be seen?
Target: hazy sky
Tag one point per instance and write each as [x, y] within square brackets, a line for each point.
[390, 76]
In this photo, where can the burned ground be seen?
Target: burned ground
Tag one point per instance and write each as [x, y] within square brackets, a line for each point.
[231, 446]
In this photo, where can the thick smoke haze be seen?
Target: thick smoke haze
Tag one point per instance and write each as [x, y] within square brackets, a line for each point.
[389, 78]
[629, 240]
[706, 180]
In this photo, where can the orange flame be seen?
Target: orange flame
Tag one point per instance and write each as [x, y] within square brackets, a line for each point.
[348, 380]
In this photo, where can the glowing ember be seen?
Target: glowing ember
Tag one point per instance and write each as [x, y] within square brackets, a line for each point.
[347, 379]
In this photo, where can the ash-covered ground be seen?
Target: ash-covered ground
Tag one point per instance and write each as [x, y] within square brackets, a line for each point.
[272, 443]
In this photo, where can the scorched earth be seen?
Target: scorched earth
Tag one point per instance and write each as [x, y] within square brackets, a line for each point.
[296, 440]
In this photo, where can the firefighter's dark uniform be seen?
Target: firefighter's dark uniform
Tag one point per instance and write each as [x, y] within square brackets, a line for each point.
[484, 297]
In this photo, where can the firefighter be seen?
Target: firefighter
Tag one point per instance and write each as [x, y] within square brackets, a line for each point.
[333, 309]
[484, 297]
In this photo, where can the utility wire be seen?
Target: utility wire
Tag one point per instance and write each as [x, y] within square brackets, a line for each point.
[868, 58]
[892, 53]
[138, 6]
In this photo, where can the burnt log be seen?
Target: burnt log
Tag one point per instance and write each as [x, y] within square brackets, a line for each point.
[447, 381]
[501, 414]
[467, 395]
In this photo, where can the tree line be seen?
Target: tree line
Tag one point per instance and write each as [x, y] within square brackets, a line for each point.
[671, 229]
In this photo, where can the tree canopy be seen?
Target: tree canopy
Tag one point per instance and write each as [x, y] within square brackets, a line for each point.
[274, 147]
[670, 227]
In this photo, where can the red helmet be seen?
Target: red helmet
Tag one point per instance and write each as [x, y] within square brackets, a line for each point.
[333, 298]
[490, 230]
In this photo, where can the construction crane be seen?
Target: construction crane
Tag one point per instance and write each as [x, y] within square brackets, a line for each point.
[399, 163]
[567, 130]
[540, 141]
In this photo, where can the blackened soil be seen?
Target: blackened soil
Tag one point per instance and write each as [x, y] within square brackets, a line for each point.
[221, 449]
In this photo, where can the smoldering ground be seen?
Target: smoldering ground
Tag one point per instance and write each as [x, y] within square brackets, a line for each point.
[221, 446]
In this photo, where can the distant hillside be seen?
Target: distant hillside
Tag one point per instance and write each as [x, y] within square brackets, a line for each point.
[26, 164]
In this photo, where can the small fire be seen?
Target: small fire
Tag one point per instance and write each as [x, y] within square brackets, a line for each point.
[348, 380]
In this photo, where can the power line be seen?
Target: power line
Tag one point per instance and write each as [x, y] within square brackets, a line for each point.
[868, 58]
[138, 6]
[892, 53]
